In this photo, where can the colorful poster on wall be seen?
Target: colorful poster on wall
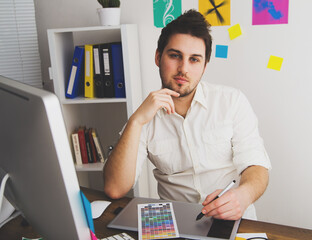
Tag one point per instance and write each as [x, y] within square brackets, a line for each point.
[269, 12]
[216, 12]
[165, 11]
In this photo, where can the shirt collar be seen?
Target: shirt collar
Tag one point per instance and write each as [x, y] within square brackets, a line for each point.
[161, 112]
[200, 96]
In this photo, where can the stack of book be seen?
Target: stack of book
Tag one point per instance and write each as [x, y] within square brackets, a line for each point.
[97, 72]
[87, 147]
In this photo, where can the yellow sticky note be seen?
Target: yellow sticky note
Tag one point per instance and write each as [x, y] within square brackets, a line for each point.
[275, 63]
[235, 31]
[240, 238]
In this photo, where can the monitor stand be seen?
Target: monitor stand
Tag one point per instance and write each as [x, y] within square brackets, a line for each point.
[6, 208]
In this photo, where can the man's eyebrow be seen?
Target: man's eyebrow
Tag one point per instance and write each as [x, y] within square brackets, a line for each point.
[174, 50]
[179, 52]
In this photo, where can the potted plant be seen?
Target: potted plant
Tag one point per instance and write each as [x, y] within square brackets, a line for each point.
[109, 14]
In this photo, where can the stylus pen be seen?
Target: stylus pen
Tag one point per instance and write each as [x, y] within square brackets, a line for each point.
[228, 187]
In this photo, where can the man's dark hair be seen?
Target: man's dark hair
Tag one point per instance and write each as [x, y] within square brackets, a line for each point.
[191, 22]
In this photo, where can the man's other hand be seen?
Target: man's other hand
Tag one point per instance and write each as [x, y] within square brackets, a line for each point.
[230, 206]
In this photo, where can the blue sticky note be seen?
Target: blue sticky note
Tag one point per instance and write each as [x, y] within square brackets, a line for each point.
[88, 212]
[221, 51]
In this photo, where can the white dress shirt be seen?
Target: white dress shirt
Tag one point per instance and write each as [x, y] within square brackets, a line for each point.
[206, 150]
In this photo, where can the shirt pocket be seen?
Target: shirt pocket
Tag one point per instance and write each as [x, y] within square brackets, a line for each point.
[164, 154]
[218, 146]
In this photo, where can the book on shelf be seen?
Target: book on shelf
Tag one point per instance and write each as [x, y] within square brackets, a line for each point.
[101, 70]
[88, 146]
[82, 144]
[98, 145]
[95, 157]
[87, 142]
[76, 147]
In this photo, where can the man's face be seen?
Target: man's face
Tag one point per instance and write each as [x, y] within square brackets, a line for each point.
[182, 63]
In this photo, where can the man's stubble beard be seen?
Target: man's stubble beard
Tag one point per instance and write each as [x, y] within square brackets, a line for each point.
[183, 93]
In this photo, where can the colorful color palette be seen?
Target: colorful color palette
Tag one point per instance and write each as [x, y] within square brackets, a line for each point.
[157, 221]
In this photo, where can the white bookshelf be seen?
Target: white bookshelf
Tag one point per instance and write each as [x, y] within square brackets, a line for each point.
[106, 115]
[90, 167]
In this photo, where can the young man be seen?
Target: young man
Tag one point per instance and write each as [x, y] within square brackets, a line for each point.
[199, 136]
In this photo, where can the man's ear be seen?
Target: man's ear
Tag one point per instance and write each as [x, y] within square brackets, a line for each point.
[157, 57]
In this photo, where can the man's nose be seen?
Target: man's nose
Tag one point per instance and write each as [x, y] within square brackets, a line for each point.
[183, 66]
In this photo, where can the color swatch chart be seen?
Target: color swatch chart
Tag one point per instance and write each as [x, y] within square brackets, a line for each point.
[157, 221]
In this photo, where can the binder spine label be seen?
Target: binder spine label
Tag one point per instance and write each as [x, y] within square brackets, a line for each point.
[106, 62]
[87, 64]
[96, 61]
[72, 80]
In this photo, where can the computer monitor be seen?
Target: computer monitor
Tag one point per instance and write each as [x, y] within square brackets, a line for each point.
[35, 152]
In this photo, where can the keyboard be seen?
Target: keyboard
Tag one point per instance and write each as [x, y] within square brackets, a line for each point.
[121, 236]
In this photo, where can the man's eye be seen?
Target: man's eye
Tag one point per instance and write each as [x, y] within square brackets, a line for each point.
[194, 60]
[174, 55]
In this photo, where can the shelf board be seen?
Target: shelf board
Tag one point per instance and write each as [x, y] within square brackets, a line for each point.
[90, 167]
[81, 29]
[82, 100]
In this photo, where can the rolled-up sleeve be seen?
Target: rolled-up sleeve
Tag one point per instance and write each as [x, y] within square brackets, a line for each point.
[248, 147]
[142, 156]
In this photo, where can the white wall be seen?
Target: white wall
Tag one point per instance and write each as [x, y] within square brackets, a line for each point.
[282, 100]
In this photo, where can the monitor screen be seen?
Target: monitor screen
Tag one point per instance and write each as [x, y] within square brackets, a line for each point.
[35, 152]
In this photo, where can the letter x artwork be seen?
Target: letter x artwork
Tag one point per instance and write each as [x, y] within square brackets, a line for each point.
[216, 12]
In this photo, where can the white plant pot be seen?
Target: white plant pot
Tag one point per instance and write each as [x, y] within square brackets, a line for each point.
[109, 16]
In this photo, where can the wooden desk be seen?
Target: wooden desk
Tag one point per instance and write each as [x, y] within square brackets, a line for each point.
[15, 230]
